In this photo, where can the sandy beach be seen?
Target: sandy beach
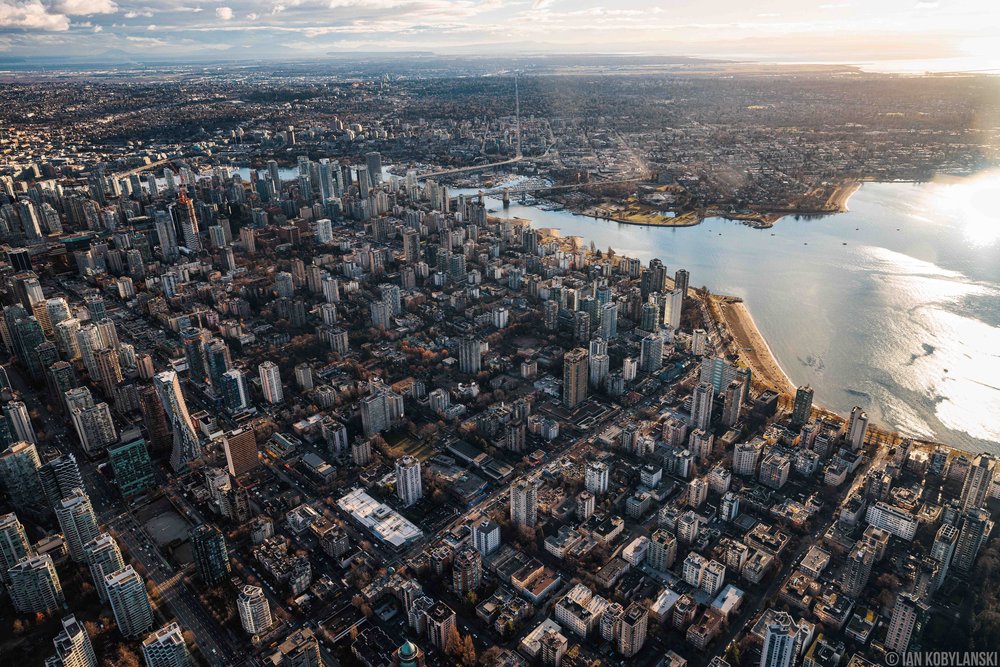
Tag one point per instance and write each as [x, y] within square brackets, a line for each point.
[752, 349]
[841, 195]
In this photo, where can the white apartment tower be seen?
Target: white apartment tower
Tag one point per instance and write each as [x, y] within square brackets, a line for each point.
[270, 382]
[255, 612]
[701, 406]
[129, 601]
[857, 428]
[907, 613]
[78, 522]
[408, 483]
[104, 558]
[596, 477]
[73, 647]
[779, 642]
[166, 648]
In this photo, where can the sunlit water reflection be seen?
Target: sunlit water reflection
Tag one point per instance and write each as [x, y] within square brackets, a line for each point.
[903, 320]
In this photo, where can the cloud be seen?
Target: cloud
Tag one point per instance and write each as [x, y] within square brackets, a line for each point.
[148, 41]
[224, 13]
[31, 15]
[541, 4]
[84, 7]
[136, 13]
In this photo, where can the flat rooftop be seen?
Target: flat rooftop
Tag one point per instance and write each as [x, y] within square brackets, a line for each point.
[381, 520]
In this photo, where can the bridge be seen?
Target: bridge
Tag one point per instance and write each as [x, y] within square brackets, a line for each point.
[529, 187]
[475, 167]
[142, 168]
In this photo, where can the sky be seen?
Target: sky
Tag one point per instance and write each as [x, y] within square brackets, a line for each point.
[926, 34]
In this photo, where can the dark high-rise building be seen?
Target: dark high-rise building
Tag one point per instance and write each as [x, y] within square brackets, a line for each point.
[235, 393]
[733, 403]
[28, 338]
[19, 465]
[95, 306]
[131, 465]
[681, 280]
[469, 355]
[59, 477]
[374, 162]
[193, 339]
[858, 570]
[109, 370]
[467, 571]
[154, 418]
[803, 405]
[654, 279]
[211, 557]
[60, 379]
[575, 375]
[976, 527]
[217, 360]
[241, 451]
[20, 259]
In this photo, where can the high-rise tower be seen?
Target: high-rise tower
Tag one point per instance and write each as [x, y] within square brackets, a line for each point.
[186, 446]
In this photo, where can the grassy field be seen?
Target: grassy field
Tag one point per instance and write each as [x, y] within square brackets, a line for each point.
[401, 445]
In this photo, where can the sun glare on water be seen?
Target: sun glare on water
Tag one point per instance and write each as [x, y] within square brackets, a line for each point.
[974, 201]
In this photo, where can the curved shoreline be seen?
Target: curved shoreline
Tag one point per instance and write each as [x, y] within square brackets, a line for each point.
[767, 371]
[751, 347]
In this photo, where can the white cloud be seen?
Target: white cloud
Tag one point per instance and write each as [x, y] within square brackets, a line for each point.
[224, 13]
[31, 15]
[136, 13]
[252, 16]
[85, 7]
[148, 41]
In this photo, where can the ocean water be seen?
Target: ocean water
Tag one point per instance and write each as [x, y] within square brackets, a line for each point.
[893, 306]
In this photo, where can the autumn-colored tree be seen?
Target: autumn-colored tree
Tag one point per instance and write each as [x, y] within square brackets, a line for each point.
[92, 628]
[453, 642]
[468, 656]
[122, 656]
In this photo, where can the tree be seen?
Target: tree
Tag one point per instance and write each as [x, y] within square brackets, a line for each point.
[468, 652]
[124, 656]
[453, 642]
